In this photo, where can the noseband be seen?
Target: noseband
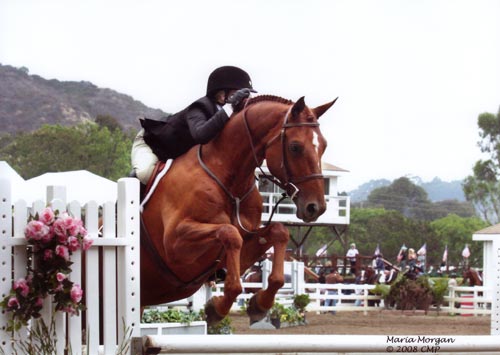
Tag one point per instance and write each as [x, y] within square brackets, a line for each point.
[289, 185]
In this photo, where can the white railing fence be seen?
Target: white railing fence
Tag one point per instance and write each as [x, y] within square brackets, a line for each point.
[343, 297]
[118, 267]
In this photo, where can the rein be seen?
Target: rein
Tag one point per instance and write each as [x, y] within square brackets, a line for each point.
[289, 183]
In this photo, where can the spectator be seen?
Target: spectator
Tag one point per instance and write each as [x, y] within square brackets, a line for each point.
[351, 256]
[412, 258]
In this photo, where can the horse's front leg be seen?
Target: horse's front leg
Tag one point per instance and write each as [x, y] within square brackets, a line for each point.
[202, 236]
[277, 236]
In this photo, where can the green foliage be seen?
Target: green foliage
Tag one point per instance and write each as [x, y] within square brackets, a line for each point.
[439, 290]
[483, 187]
[403, 196]
[55, 148]
[412, 201]
[170, 316]
[455, 232]
[300, 302]
[108, 121]
[223, 327]
[291, 315]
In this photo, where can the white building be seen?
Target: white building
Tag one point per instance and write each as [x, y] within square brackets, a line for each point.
[338, 207]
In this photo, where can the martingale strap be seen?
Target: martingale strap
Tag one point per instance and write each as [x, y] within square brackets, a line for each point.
[235, 200]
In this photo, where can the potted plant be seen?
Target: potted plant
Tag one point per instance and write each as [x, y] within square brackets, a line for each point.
[172, 321]
[300, 303]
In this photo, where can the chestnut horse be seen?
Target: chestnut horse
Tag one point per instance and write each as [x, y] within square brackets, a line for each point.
[205, 214]
[472, 277]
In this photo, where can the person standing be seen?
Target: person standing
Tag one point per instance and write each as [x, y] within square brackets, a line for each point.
[352, 255]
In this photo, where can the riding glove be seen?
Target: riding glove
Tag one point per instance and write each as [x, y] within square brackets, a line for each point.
[236, 98]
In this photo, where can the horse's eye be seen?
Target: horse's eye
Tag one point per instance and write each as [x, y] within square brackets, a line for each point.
[295, 148]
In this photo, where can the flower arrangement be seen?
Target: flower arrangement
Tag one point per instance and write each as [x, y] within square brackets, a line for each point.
[52, 238]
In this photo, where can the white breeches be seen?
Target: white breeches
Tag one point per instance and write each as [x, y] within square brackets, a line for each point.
[143, 158]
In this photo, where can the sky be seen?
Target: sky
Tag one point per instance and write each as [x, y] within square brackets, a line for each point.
[412, 77]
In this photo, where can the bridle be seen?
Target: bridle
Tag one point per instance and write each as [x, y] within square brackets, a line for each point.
[289, 185]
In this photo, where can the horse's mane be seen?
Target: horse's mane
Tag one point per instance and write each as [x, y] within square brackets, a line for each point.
[261, 98]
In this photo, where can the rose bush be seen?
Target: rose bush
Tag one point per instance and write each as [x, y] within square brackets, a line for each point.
[52, 238]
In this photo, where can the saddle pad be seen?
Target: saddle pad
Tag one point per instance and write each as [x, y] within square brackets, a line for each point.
[159, 171]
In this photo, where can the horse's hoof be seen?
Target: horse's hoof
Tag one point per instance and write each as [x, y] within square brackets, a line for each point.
[211, 316]
[254, 311]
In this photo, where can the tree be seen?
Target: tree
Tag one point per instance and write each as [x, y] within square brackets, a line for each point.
[402, 196]
[455, 232]
[108, 121]
[55, 148]
[389, 229]
[483, 187]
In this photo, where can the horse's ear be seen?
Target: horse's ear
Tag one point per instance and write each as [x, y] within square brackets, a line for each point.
[298, 107]
[320, 110]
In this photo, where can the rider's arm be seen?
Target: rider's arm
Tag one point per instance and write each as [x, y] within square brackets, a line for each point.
[203, 129]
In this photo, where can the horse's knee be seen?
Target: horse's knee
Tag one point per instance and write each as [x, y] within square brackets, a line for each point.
[230, 237]
[279, 232]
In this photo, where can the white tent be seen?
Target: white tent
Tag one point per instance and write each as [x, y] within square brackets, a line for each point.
[81, 186]
[17, 183]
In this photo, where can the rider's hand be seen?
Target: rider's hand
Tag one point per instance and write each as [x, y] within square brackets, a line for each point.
[236, 98]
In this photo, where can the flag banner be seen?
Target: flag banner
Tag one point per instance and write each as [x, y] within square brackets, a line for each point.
[422, 250]
[322, 251]
[466, 251]
[377, 250]
[445, 254]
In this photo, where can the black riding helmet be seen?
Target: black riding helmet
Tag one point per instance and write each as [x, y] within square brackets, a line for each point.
[228, 77]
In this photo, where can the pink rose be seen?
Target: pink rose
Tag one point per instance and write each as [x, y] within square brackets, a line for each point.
[39, 302]
[36, 230]
[73, 243]
[60, 230]
[75, 227]
[86, 243]
[60, 277]
[83, 231]
[22, 284]
[62, 251]
[76, 293]
[13, 302]
[47, 216]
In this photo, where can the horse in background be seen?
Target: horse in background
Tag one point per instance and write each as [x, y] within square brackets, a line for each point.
[205, 214]
[254, 274]
[471, 277]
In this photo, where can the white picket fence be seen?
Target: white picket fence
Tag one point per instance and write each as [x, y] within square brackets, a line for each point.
[118, 268]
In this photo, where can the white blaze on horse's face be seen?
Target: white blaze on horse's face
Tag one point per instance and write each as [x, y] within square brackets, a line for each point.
[315, 142]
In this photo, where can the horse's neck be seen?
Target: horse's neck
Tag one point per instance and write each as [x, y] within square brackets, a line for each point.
[232, 149]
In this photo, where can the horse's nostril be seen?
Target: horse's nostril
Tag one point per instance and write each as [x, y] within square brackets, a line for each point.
[312, 209]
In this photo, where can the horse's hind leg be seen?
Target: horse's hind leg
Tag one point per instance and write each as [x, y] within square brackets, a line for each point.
[276, 236]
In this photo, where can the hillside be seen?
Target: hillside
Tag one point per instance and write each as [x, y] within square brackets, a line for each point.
[29, 101]
[437, 189]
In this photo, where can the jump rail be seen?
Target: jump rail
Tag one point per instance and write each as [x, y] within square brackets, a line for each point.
[317, 344]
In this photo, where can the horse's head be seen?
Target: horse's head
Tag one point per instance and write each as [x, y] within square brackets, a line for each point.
[294, 157]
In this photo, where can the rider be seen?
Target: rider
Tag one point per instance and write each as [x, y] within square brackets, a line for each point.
[198, 123]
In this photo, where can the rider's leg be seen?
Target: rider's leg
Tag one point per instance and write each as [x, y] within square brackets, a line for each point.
[143, 158]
